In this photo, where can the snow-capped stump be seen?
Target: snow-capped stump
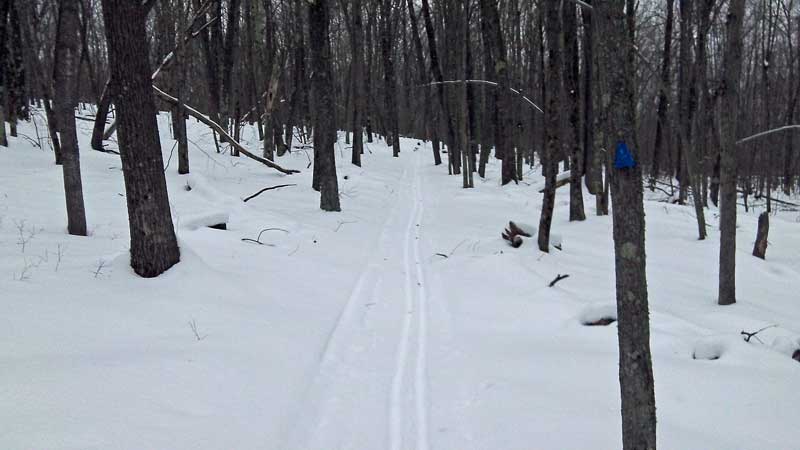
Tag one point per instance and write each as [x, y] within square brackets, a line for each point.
[709, 348]
[598, 315]
[516, 231]
[216, 220]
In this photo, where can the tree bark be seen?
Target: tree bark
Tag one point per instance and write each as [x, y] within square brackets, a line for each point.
[436, 69]
[100, 119]
[66, 67]
[762, 236]
[687, 106]
[552, 26]
[732, 68]
[359, 103]
[494, 37]
[154, 247]
[325, 107]
[663, 95]
[390, 86]
[635, 361]
[4, 9]
[572, 138]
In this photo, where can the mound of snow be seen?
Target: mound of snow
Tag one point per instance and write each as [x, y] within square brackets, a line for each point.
[599, 314]
[709, 348]
[197, 221]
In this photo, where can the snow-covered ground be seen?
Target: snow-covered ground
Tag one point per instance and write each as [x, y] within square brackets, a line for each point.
[351, 331]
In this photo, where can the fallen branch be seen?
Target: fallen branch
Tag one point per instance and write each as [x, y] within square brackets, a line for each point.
[490, 83]
[267, 189]
[748, 336]
[562, 179]
[760, 196]
[766, 133]
[216, 127]
[557, 279]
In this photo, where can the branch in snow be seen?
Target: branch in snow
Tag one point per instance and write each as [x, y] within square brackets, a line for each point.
[748, 336]
[558, 278]
[267, 189]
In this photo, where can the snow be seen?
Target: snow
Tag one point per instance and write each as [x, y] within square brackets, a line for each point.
[349, 332]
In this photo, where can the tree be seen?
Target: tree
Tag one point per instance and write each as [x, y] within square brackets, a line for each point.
[635, 361]
[552, 25]
[324, 105]
[359, 104]
[572, 138]
[732, 69]
[663, 94]
[65, 76]
[5, 5]
[390, 87]
[493, 36]
[154, 247]
[687, 106]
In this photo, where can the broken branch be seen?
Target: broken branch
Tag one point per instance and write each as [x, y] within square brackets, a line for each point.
[216, 127]
[557, 279]
[267, 189]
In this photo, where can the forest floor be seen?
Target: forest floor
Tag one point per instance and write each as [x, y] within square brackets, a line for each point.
[403, 322]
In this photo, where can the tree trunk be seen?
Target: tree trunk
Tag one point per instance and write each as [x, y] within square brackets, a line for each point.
[100, 119]
[359, 102]
[67, 62]
[732, 68]
[436, 69]
[635, 361]
[494, 37]
[687, 106]
[154, 248]
[552, 25]
[390, 87]
[324, 105]
[663, 95]
[572, 138]
[760, 247]
[4, 8]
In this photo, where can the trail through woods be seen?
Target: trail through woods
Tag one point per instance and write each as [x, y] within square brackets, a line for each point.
[405, 322]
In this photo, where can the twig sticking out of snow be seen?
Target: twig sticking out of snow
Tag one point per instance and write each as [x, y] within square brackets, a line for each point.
[193, 326]
[342, 222]
[451, 251]
[100, 266]
[558, 278]
[258, 239]
[748, 336]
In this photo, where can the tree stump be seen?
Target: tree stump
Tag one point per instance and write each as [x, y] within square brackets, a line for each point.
[760, 247]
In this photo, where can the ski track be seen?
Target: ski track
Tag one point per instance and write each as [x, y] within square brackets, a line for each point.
[418, 311]
[332, 409]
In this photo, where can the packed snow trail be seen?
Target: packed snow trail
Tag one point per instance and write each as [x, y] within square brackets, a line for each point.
[403, 322]
[372, 372]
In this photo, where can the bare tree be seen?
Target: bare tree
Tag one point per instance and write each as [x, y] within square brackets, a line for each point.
[154, 247]
[324, 105]
[553, 129]
[732, 69]
[635, 361]
[67, 62]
